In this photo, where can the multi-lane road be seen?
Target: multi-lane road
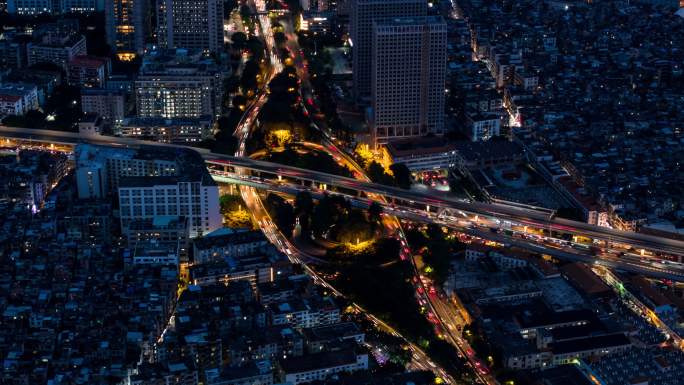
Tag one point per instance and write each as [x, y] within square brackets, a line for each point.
[419, 360]
[250, 196]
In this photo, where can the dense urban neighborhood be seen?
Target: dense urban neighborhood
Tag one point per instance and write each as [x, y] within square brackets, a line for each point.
[341, 192]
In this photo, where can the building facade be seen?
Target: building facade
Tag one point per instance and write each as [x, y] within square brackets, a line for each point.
[363, 14]
[421, 154]
[12, 50]
[190, 24]
[222, 244]
[88, 71]
[11, 105]
[483, 125]
[167, 230]
[36, 7]
[177, 131]
[305, 313]
[81, 6]
[408, 77]
[151, 182]
[150, 197]
[99, 168]
[190, 89]
[301, 370]
[18, 99]
[29, 7]
[109, 104]
[57, 51]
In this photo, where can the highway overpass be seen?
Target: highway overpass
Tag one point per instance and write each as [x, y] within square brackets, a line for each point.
[441, 206]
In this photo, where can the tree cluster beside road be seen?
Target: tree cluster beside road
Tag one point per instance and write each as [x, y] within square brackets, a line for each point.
[282, 119]
[238, 91]
[320, 66]
[381, 283]
[436, 250]
[307, 159]
[281, 212]
[335, 220]
[399, 175]
[234, 211]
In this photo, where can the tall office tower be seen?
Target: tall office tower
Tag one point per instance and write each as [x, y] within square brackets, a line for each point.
[363, 14]
[408, 77]
[193, 196]
[191, 24]
[127, 26]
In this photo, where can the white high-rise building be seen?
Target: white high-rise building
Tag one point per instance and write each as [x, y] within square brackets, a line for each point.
[363, 14]
[408, 77]
[191, 24]
[150, 182]
[196, 199]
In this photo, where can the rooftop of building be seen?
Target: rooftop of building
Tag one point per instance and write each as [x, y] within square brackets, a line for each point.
[365, 378]
[227, 237]
[227, 265]
[88, 61]
[189, 163]
[151, 181]
[419, 146]
[583, 278]
[9, 98]
[162, 122]
[300, 304]
[562, 375]
[334, 331]
[251, 369]
[590, 343]
[318, 361]
[491, 149]
[415, 20]
[550, 318]
[578, 331]
[102, 91]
